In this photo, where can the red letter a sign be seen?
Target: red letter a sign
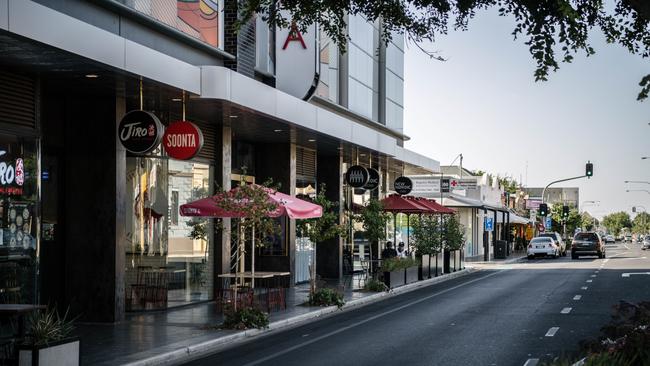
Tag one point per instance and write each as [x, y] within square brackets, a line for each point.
[294, 35]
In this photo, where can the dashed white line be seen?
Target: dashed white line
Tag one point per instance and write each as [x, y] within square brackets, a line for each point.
[584, 287]
[565, 310]
[589, 281]
[577, 297]
[592, 276]
[532, 362]
[551, 332]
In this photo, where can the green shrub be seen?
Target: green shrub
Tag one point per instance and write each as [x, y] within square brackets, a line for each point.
[245, 318]
[375, 285]
[47, 326]
[326, 297]
[394, 264]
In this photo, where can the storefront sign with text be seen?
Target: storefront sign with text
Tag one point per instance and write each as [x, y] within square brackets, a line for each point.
[356, 176]
[403, 185]
[12, 176]
[182, 140]
[373, 180]
[140, 131]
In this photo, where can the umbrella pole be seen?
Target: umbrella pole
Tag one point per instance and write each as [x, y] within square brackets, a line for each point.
[253, 259]
[408, 234]
[395, 230]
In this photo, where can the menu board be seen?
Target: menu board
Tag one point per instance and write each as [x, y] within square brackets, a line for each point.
[18, 228]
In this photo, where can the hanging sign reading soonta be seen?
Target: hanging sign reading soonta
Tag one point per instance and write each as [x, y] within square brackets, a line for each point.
[140, 131]
[356, 176]
[403, 185]
[182, 140]
[373, 179]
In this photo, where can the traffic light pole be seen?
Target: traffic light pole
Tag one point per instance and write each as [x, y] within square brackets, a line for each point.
[559, 181]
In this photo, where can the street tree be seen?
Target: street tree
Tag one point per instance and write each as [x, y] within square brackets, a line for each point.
[554, 30]
[572, 223]
[588, 222]
[641, 223]
[616, 221]
[426, 235]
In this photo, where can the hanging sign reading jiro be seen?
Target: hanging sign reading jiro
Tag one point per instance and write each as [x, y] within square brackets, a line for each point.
[140, 131]
[182, 140]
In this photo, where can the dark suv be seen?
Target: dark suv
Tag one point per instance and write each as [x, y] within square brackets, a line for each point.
[587, 244]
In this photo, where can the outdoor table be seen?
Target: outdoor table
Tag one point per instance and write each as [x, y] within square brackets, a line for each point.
[19, 310]
[272, 294]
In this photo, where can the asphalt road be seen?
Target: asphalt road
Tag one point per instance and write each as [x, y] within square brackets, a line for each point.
[515, 314]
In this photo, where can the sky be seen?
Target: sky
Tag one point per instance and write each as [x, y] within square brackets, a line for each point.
[483, 102]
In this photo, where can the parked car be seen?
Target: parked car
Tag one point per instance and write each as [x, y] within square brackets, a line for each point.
[543, 246]
[558, 240]
[639, 239]
[609, 239]
[646, 243]
[587, 243]
[628, 238]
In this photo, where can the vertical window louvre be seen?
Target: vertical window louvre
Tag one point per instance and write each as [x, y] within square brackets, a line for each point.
[17, 100]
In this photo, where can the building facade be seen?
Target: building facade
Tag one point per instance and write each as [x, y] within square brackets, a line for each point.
[86, 222]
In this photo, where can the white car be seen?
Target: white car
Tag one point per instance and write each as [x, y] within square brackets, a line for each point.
[609, 239]
[646, 243]
[542, 246]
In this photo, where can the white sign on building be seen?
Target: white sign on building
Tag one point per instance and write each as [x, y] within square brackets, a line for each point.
[297, 61]
[423, 186]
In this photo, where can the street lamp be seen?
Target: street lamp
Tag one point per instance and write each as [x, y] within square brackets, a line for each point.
[637, 181]
[638, 190]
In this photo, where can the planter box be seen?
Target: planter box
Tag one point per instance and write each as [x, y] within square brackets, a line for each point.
[436, 265]
[411, 275]
[395, 278]
[61, 353]
[457, 266]
[446, 266]
[462, 259]
[425, 267]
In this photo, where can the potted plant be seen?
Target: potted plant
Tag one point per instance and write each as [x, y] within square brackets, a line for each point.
[49, 341]
[454, 238]
[426, 235]
[411, 267]
[393, 272]
[374, 220]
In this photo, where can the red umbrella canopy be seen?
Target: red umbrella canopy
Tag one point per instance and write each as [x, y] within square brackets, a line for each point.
[398, 204]
[285, 204]
[433, 205]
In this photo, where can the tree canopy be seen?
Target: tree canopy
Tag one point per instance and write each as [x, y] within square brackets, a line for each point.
[641, 223]
[616, 221]
[574, 221]
[554, 30]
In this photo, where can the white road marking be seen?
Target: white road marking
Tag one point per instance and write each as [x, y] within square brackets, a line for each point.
[565, 310]
[589, 281]
[606, 260]
[551, 332]
[577, 297]
[532, 362]
[592, 276]
[367, 320]
[584, 287]
[596, 272]
[636, 273]
[626, 247]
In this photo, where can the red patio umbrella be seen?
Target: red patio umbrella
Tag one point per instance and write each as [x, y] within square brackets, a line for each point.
[286, 205]
[398, 204]
[434, 206]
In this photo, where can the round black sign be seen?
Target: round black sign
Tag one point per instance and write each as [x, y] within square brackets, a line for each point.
[403, 185]
[373, 179]
[356, 176]
[140, 131]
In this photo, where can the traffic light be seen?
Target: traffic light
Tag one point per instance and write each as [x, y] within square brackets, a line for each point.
[565, 212]
[543, 209]
[589, 170]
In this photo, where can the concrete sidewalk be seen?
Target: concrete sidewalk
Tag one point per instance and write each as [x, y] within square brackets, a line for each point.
[175, 336]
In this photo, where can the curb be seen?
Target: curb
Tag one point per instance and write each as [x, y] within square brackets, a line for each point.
[194, 351]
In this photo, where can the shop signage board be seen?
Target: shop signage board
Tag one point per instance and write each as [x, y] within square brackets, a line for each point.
[462, 184]
[12, 174]
[356, 176]
[489, 224]
[182, 140]
[533, 203]
[373, 179]
[444, 185]
[140, 131]
[297, 60]
[425, 185]
[403, 185]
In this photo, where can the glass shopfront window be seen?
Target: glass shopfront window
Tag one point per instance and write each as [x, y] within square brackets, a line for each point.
[169, 257]
[19, 219]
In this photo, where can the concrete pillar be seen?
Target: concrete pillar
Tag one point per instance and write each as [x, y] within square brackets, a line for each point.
[329, 258]
[223, 171]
